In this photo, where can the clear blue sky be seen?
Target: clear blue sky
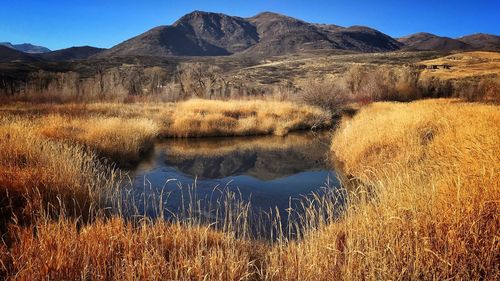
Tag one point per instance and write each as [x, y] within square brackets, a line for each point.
[63, 23]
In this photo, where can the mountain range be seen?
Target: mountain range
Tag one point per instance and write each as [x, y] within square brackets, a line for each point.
[266, 34]
[26, 48]
[207, 34]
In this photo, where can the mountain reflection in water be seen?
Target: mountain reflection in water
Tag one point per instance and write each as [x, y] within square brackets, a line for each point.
[268, 171]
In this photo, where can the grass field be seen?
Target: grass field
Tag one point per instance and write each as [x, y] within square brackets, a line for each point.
[123, 132]
[423, 204]
[200, 118]
[465, 65]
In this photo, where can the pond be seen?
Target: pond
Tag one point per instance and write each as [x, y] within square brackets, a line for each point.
[193, 176]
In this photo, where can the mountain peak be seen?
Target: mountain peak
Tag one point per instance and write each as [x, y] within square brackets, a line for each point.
[270, 14]
[26, 48]
[199, 15]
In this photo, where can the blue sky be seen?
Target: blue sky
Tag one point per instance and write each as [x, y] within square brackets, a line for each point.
[64, 23]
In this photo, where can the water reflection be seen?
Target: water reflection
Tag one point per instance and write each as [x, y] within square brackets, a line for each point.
[264, 158]
[270, 172]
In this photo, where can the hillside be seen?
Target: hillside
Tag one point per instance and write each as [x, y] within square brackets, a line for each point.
[73, 53]
[465, 65]
[282, 35]
[482, 41]
[11, 55]
[214, 34]
[427, 42]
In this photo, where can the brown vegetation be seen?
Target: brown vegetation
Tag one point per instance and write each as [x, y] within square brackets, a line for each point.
[116, 250]
[435, 181]
[426, 208]
[465, 65]
[123, 140]
[40, 175]
[198, 118]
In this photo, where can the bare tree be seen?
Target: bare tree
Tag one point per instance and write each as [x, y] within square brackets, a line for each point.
[199, 80]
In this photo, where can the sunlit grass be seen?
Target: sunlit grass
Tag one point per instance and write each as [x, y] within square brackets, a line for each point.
[38, 173]
[423, 204]
[199, 118]
[123, 140]
[466, 64]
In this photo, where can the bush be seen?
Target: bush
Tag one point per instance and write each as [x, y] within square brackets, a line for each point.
[330, 95]
[383, 83]
[487, 90]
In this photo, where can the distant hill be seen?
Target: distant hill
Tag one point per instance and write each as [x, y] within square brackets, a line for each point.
[482, 41]
[73, 53]
[214, 34]
[10, 55]
[429, 42]
[26, 48]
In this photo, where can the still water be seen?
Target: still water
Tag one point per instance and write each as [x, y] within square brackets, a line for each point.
[270, 172]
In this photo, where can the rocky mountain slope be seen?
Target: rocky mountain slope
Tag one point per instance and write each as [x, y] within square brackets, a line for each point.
[207, 34]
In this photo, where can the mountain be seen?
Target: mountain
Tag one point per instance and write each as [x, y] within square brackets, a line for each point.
[233, 34]
[429, 42]
[482, 41]
[73, 53]
[8, 54]
[280, 34]
[26, 48]
[195, 34]
[214, 34]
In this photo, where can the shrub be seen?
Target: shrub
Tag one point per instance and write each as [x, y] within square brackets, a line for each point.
[327, 94]
[487, 90]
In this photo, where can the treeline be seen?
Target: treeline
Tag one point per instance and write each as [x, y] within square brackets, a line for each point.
[129, 83]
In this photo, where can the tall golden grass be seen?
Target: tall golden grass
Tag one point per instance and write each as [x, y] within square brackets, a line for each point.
[424, 206]
[123, 140]
[201, 118]
[115, 250]
[37, 174]
[428, 204]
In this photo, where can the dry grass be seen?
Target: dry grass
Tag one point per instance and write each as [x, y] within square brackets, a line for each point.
[429, 203]
[427, 208]
[37, 173]
[122, 140]
[114, 250]
[430, 198]
[200, 118]
[463, 65]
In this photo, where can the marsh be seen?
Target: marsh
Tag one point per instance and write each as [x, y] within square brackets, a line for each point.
[271, 173]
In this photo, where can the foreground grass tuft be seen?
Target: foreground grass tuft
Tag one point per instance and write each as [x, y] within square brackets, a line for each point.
[37, 173]
[114, 250]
